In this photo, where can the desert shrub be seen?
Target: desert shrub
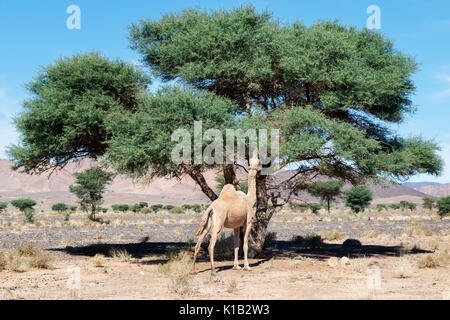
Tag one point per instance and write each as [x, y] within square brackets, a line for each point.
[428, 203]
[135, 208]
[186, 206]
[67, 215]
[197, 208]
[156, 207]
[358, 198]
[121, 254]
[143, 204]
[60, 207]
[13, 261]
[23, 204]
[395, 206]
[120, 207]
[27, 250]
[404, 204]
[381, 207]
[73, 208]
[412, 206]
[168, 207]
[312, 241]
[29, 215]
[315, 207]
[99, 260]
[433, 260]
[3, 206]
[3, 261]
[330, 235]
[443, 206]
[300, 206]
[40, 259]
[146, 210]
[176, 210]
[177, 269]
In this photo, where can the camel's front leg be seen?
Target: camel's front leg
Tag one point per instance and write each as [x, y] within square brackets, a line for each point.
[247, 228]
[236, 249]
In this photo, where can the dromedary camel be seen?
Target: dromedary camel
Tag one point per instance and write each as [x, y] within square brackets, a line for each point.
[233, 209]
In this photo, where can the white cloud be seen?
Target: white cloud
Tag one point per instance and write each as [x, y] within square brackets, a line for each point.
[445, 93]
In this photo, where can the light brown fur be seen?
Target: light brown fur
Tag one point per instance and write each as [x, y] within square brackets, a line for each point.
[233, 209]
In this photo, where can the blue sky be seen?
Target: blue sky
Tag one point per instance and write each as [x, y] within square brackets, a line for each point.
[34, 33]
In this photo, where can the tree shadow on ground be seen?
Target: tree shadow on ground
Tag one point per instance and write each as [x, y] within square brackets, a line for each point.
[275, 248]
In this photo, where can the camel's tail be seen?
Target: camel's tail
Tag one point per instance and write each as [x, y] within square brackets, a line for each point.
[204, 221]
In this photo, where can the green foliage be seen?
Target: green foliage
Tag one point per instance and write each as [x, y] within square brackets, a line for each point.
[412, 206]
[156, 207]
[220, 179]
[404, 204]
[358, 198]
[197, 208]
[120, 207]
[186, 206]
[23, 204]
[428, 202]
[73, 208]
[176, 210]
[326, 190]
[381, 207]
[3, 206]
[315, 207]
[143, 204]
[89, 188]
[60, 207]
[395, 206]
[29, 215]
[443, 206]
[67, 116]
[300, 206]
[168, 207]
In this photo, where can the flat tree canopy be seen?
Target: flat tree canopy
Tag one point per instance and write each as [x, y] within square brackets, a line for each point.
[333, 91]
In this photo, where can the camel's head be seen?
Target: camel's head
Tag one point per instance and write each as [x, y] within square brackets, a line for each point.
[254, 161]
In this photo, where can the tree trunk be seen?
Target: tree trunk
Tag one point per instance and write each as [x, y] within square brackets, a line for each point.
[262, 215]
[198, 177]
[230, 176]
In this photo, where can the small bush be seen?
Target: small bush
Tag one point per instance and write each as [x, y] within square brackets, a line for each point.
[120, 207]
[433, 260]
[146, 210]
[99, 260]
[3, 206]
[40, 259]
[121, 254]
[27, 250]
[330, 235]
[381, 207]
[177, 269]
[29, 215]
[168, 207]
[443, 206]
[176, 210]
[60, 207]
[13, 261]
[3, 261]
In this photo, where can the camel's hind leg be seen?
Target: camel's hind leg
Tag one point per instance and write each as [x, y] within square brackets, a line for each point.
[236, 248]
[198, 245]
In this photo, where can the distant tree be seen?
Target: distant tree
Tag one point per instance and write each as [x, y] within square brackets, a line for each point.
[186, 206]
[404, 204]
[3, 206]
[428, 203]
[120, 207]
[443, 206]
[412, 206]
[395, 206]
[197, 208]
[315, 207]
[156, 207]
[168, 207]
[381, 207]
[220, 179]
[143, 204]
[327, 191]
[60, 207]
[23, 204]
[89, 188]
[358, 198]
[73, 208]
[136, 207]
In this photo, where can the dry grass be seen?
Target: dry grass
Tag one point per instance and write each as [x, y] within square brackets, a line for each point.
[3, 261]
[433, 260]
[99, 260]
[330, 235]
[121, 254]
[177, 269]
[232, 286]
[27, 250]
[402, 269]
[40, 260]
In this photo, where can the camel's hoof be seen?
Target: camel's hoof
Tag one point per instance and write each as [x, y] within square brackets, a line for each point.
[237, 268]
[247, 268]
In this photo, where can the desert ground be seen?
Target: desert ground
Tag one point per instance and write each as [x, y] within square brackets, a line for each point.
[403, 255]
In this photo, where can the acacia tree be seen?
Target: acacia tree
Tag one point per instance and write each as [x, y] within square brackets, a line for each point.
[333, 91]
[358, 198]
[326, 190]
[89, 188]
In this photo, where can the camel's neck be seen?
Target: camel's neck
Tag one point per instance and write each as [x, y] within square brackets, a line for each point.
[251, 193]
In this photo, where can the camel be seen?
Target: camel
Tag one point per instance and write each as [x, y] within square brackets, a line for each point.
[232, 209]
